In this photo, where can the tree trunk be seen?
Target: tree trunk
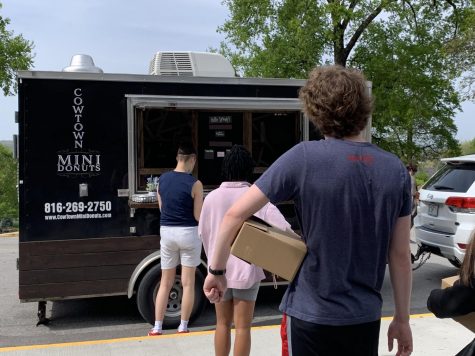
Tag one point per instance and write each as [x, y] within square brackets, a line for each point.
[339, 52]
[339, 56]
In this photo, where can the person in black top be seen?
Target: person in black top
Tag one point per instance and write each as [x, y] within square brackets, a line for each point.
[459, 299]
[180, 198]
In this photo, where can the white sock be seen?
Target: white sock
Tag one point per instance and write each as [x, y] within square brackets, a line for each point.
[158, 325]
[183, 325]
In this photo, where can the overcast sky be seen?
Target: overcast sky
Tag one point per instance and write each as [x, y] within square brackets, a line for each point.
[123, 37]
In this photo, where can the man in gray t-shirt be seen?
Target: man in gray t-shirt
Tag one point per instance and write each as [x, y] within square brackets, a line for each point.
[347, 201]
[353, 202]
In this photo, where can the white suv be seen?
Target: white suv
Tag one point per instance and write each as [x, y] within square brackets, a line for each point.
[446, 211]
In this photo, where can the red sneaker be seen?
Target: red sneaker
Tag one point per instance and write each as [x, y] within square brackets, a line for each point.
[154, 333]
[183, 331]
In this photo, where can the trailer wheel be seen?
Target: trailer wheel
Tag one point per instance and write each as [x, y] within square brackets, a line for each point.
[147, 293]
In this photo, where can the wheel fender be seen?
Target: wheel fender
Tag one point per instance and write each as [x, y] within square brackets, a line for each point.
[141, 267]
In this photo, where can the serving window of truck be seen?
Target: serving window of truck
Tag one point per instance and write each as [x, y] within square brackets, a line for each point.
[267, 127]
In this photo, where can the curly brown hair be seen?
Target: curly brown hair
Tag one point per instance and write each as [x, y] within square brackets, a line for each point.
[336, 99]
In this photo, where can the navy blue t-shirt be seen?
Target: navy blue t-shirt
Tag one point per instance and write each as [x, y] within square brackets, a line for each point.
[177, 204]
[348, 196]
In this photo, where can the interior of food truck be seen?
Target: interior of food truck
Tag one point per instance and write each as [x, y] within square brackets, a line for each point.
[266, 134]
[267, 127]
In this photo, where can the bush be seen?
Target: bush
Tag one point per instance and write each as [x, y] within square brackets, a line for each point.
[421, 178]
[8, 180]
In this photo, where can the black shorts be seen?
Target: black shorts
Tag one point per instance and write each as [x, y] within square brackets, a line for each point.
[301, 338]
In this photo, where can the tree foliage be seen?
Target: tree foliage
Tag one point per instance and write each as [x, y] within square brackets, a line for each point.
[15, 54]
[461, 50]
[267, 39]
[400, 45]
[8, 179]
[412, 84]
[287, 38]
[468, 147]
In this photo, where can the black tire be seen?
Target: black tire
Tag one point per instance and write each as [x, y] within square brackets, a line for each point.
[147, 292]
[455, 263]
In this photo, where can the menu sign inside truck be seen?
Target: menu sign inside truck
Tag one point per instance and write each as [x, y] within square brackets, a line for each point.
[220, 119]
[220, 125]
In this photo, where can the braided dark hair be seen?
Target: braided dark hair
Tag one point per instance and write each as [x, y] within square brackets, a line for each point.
[238, 165]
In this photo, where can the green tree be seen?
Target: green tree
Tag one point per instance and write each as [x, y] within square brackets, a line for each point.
[274, 39]
[8, 179]
[289, 37]
[413, 87]
[468, 147]
[15, 54]
[461, 50]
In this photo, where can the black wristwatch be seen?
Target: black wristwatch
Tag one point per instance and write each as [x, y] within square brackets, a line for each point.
[216, 272]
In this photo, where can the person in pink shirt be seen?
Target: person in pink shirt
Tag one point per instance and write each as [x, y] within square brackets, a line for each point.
[243, 279]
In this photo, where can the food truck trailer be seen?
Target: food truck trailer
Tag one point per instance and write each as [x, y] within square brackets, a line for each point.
[90, 144]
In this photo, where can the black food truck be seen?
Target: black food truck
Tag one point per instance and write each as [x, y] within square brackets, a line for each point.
[89, 147]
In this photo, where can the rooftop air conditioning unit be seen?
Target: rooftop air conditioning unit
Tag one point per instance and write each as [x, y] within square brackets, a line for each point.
[194, 64]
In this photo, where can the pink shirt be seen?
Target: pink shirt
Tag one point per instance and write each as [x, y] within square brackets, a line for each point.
[239, 274]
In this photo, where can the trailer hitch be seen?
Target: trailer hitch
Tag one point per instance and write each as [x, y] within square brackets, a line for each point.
[422, 255]
[42, 319]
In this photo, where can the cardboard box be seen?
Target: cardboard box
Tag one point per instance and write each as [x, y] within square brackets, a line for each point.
[466, 320]
[279, 252]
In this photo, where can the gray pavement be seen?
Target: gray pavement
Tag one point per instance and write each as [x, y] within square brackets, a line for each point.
[432, 337]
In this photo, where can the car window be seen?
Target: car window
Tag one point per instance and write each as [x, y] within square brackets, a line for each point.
[452, 178]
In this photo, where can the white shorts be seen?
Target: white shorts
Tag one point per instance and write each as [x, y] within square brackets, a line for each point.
[179, 245]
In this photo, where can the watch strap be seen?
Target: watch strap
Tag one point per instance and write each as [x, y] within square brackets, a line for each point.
[216, 272]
